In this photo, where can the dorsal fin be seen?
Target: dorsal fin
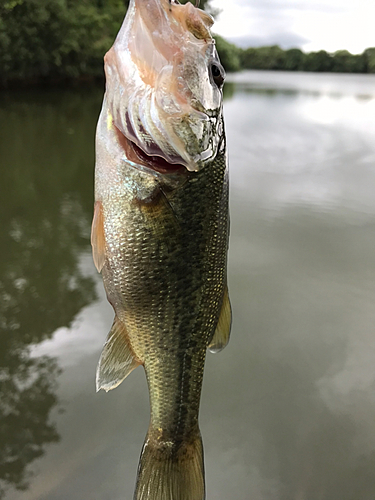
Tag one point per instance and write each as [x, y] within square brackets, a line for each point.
[221, 336]
[98, 236]
[117, 359]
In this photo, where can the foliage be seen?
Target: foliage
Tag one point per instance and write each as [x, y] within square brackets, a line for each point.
[272, 57]
[229, 53]
[318, 61]
[369, 56]
[345, 62]
[54, 40]
[294, 59]
[276, 58]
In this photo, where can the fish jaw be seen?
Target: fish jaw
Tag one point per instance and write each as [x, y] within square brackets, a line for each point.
[160, 87]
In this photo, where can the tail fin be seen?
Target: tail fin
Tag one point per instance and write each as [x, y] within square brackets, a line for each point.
[168, 472]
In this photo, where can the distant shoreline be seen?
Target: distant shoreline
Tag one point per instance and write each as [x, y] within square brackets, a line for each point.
[62, 44]
[275, 58]
[233, 59]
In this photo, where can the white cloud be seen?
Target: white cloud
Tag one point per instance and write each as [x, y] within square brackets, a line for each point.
[330, 25]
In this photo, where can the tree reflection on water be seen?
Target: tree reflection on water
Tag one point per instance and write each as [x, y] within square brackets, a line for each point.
[47, 162]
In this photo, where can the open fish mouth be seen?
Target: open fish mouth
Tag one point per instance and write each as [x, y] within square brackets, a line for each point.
[164, 83]
[137, 156]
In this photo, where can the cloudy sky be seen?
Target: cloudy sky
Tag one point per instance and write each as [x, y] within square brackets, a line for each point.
[309, 24]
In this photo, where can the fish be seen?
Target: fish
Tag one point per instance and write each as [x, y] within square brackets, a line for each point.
[160, 229]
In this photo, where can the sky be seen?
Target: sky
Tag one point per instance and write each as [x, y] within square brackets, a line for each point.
[308, 24]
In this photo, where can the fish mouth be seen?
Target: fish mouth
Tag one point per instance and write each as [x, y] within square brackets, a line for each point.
[155, 162]
[159, 86]
[165, 156]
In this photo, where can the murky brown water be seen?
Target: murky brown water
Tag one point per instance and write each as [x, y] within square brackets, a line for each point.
[288, 408]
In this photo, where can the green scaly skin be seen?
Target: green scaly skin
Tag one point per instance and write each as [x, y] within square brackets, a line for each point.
[165, 273]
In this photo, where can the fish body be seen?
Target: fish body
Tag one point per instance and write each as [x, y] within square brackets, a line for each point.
[160, 229]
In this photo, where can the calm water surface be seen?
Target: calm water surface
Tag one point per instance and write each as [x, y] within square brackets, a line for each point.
[288, 408]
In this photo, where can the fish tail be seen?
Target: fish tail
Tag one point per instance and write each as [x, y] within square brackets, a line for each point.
[170, 471]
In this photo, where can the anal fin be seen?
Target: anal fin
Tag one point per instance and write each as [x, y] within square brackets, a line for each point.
[117, 360]
[221, 336]
[98, 236]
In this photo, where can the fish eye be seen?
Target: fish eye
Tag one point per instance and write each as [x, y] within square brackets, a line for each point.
[217, 73]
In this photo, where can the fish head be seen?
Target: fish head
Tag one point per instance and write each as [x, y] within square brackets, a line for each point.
[164, 83]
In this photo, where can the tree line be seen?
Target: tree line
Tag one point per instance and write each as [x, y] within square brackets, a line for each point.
[275, 58]
[58, 40]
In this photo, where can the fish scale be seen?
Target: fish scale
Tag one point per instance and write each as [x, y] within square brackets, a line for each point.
[184, 281]
[160, 234]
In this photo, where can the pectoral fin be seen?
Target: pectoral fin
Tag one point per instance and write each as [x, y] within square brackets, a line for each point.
[221, 336]
[117, 359]
[98, 236]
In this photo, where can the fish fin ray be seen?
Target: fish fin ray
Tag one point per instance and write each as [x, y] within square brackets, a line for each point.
[166, 473]
[117, 359]
[98, 236]
[221, 336]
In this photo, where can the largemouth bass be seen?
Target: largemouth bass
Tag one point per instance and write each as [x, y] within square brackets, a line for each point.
[160, 229]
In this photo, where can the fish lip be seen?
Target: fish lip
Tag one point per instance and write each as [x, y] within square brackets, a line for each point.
[139, 159]
[156, 162]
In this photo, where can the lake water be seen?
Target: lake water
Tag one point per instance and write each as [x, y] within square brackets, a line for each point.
[288, 408]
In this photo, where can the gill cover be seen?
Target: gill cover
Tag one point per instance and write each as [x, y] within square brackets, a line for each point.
[164, 82]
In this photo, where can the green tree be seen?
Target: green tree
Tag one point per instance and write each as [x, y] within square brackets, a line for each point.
[318, 61]
[369, 57]
[229, 54]
[248, 58]
[272, 57]
[345, 62]
[55, 38]
[294, 60]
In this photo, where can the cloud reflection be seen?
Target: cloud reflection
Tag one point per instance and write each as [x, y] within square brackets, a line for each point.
[45, 223]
